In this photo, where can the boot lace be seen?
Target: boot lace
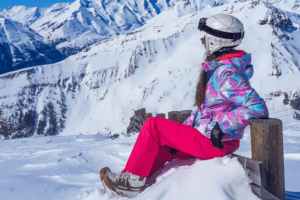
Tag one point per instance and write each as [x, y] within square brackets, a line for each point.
[123, 177]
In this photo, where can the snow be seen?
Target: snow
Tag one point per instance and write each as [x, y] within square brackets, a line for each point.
[166, 54]
[100, 95]
[67, 167]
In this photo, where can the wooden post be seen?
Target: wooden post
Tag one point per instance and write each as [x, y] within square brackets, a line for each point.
[148, 115]
[141, 111]
[267, 146]
[183, 115]
[172, 115]
[163, 115]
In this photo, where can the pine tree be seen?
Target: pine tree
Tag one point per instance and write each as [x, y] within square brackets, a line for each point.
[28, 123]
[42, 122]
[52, 130]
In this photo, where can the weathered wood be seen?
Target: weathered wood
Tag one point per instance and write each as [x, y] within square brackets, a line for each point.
[136, 121]
[141, 119]
[141, 111]
[267, 146]
[137, 125]
[148, 115]
[183, 115]
[134, 129]
[135, 118]
[179, 116]
[163, 115]
[173, 115]
[262, 193]
[255, 170]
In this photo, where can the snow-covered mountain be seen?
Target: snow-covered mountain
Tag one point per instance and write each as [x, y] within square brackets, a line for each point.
[156, 67]
[22, 47]
[72, 27]
[23, 14]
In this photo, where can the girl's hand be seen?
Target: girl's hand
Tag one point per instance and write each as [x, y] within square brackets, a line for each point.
[216, 136]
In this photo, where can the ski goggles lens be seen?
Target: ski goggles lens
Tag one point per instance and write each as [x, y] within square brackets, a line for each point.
[202, 23]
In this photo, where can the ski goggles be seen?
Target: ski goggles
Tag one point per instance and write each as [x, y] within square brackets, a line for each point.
[233, 36]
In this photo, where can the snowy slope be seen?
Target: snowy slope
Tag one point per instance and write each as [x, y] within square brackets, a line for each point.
[68, 168]
[155, 67]
[93, 94]
[22, 47]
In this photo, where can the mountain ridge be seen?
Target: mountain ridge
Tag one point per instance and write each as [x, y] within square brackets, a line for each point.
[155, 67]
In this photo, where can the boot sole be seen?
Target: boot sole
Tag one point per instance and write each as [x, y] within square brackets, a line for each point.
[106, 184]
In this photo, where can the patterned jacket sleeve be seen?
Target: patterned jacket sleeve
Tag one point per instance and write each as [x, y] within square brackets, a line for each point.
[237, 89]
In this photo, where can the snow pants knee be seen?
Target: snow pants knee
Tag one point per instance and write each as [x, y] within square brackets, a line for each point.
[151, 150]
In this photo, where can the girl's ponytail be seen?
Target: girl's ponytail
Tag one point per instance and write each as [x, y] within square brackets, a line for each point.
[200, 89]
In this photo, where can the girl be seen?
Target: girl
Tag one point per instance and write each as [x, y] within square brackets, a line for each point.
[226, 102]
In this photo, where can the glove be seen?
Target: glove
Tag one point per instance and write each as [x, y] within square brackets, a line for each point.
[173, 151]
[216, 136]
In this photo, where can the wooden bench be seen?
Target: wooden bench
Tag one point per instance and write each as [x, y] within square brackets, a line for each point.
[266, 168]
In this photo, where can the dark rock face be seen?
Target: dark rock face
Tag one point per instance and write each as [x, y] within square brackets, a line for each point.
[289, 98]
[13, 58]
[295, 101]
[22, 47]
[6, 57]
[279, 21]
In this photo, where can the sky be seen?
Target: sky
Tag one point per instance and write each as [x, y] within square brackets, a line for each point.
[31, 3]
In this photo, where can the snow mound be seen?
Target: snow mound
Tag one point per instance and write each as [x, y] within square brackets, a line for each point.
[68, 168]
[219, 178]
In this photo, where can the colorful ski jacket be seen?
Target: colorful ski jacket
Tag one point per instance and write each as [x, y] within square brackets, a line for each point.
[229, 99]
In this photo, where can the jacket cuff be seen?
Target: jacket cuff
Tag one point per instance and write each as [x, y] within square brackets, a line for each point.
[210, 126]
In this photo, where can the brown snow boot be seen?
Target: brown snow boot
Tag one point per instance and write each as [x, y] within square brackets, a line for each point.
[126, 184]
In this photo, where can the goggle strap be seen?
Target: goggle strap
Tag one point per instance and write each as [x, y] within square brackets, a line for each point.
[233, 36]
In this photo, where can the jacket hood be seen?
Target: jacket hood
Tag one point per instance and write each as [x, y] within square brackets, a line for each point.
[243, 63]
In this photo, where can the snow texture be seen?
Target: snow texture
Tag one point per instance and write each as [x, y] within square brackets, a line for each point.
[155, 67]
[132, 58]
[68, 167]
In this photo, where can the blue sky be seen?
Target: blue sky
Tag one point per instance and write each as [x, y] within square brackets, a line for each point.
[31, 3]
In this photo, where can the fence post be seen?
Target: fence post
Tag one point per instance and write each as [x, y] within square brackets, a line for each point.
[267, 147]
[183, 115]
[172, 115]
[148, 115]
[141, 111]
[163, 115]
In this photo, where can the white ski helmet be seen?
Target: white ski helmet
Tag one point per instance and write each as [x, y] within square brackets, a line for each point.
[221, 32]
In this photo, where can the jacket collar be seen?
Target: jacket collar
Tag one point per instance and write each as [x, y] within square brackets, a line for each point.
[243, 63]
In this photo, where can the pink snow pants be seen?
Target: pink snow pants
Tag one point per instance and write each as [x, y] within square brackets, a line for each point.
[151, 150]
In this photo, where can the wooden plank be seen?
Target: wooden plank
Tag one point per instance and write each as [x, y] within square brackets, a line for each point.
[262, 193]
[267, 146]
[141, 111]
[255, 170]
[148, 115]
[172, 115]
[163, 115]
[141, 119]
[183, 115]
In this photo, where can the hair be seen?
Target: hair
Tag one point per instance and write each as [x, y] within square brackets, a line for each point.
[202, 82]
